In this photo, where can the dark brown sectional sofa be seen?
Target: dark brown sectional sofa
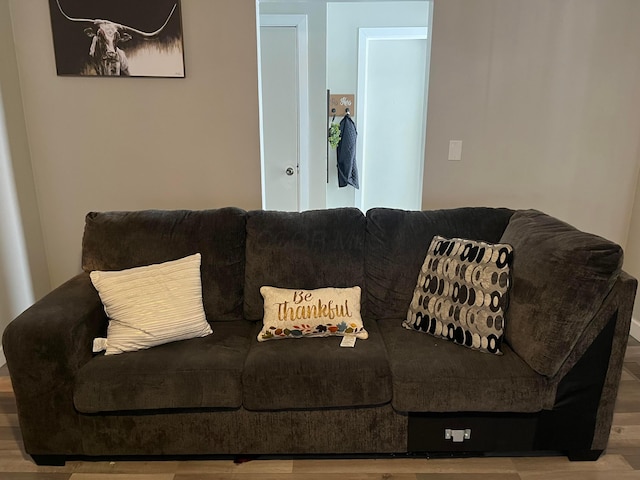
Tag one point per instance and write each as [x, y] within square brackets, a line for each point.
[398, 392]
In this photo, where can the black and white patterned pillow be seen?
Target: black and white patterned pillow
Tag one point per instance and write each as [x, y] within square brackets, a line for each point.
[462, 293]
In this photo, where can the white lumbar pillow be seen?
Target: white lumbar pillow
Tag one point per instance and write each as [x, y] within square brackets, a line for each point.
[152, 305]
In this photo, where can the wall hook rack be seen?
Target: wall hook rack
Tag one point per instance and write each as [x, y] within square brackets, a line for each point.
[341, 105]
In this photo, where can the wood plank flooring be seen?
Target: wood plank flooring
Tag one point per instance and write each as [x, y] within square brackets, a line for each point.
[621, 461]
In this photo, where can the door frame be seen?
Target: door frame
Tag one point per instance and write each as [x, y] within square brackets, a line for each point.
[300, 22]
[365, 36]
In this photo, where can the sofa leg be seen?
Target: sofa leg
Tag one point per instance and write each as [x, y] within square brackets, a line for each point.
[584, 455]
[49, 460]
[238, 459]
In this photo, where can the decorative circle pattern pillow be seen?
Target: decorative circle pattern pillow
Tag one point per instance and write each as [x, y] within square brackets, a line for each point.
[152, 305]
[462, 293]
[324, 312]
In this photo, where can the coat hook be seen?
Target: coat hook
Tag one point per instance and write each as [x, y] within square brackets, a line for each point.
[346, 110]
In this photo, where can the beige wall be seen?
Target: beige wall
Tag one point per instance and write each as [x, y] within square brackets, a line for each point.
[113, 143]
[19, 167]
[545, 95]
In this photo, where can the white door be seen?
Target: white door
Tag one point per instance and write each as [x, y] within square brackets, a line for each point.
[283, 111]
[391, 112]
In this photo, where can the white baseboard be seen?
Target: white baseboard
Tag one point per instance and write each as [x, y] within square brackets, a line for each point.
[635, 329]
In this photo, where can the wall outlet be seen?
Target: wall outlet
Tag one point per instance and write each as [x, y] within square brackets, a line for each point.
[455, 150]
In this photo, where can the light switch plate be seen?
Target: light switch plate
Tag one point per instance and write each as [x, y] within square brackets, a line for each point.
[455, 150]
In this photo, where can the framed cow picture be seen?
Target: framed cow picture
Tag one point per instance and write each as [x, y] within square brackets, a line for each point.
[141, 38]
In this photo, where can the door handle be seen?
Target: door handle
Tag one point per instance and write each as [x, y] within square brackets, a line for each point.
[289, 171]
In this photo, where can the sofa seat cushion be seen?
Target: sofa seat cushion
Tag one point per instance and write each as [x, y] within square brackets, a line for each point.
[316, 373]
[196, 373]
[434, 375]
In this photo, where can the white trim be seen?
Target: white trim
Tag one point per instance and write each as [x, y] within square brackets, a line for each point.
[366, 35]
[260, 129]
[300, 22]
[426, 99]
[635, 329]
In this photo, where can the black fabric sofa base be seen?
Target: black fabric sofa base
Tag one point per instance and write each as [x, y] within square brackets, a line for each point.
[372, 432]
[364, 430]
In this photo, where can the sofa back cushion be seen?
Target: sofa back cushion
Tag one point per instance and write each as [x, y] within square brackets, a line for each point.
[308, 250]
[560, 277]
[121, 240]
[397, 243]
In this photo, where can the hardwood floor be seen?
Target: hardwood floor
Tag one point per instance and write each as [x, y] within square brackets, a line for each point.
[621, 461]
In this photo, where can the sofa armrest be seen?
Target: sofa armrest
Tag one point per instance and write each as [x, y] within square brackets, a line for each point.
[45, 347]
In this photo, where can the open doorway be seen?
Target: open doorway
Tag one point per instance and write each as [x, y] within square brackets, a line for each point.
[392, 116]
[391, 127]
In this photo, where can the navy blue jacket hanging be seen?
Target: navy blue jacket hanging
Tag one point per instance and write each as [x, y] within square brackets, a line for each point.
[346, 151]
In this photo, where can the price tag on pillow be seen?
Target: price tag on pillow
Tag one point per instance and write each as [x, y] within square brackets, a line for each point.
[348, 341]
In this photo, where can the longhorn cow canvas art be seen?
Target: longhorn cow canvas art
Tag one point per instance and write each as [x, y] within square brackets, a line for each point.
[141, 38]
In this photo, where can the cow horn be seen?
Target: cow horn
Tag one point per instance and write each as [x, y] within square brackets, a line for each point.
[152, 34]
[74, 19]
